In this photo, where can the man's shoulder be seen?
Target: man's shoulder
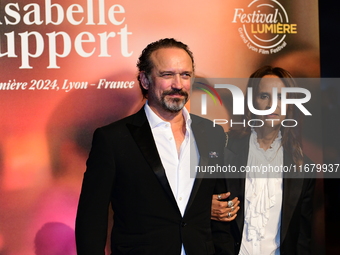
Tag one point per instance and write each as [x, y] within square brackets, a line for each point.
[205, 123]
[236, 140]
[212, 132]
[197, 119]
[122, 123]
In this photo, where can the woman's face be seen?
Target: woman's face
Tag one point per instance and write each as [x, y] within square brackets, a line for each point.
[264, 100]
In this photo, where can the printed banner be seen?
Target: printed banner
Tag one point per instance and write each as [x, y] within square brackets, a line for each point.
[68, 67]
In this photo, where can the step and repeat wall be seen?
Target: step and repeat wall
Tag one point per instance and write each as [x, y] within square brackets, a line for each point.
[69, 66]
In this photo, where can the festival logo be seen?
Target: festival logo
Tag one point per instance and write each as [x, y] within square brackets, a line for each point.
[264, 26]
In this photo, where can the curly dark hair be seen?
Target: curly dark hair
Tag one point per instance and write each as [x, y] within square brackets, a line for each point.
[145, 63]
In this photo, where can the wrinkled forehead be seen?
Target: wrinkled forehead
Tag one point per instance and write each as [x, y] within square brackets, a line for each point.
[172, 59]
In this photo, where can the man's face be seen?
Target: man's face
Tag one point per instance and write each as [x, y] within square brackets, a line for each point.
[170, 79]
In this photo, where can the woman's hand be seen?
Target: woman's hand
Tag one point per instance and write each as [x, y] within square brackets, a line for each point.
[224, 210]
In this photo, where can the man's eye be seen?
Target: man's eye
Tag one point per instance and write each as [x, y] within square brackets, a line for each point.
[186, 75]
[166, 75]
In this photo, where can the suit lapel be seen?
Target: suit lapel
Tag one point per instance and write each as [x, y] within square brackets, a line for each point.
[141, 132]
[292, 188]
[201, 142]
[236, 188]
[236, 154]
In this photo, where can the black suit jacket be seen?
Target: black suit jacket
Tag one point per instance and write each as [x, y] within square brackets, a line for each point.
[124, 169]
[297, 201]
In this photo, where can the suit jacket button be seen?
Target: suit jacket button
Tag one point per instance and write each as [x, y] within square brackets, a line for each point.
[183, 224]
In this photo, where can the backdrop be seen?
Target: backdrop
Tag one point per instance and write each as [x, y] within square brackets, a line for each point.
[68, 67]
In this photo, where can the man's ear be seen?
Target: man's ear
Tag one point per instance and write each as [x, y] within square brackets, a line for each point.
[144, 80]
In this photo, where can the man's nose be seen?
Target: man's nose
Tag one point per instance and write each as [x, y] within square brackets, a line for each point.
[177, 82]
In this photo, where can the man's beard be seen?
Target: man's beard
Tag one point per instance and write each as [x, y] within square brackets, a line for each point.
[174, 104]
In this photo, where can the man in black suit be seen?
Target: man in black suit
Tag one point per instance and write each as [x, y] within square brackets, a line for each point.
[141, 165]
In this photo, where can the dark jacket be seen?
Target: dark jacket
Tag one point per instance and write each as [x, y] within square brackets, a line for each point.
[125, 169]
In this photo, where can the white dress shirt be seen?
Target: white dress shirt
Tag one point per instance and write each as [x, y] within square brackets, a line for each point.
[263, 201]
[176, 165]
